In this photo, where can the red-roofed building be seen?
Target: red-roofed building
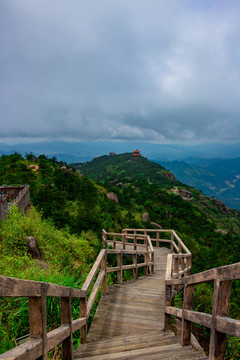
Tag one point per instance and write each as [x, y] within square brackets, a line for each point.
[136, 154]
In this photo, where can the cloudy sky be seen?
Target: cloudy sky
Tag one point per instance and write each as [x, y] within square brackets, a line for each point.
[151, 70]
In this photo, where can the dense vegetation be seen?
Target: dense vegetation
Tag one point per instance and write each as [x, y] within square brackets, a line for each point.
[74, 209]
[124, 167]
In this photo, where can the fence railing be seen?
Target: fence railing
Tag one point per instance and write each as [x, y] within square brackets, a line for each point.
[179, 260]
[41, 341]
[219, 322]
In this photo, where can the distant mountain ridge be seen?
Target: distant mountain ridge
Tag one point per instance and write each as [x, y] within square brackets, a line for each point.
[215, 177]
[80, 151]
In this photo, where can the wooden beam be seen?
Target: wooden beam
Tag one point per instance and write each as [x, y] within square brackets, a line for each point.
[93, 271]
[38, 321]
[186, 324]
[223, 273]
[104, 268]
[221, 303]
[228, 326]
[83, 314]
[119, 264]
[66, 319]
[94, 292]
[13, 287]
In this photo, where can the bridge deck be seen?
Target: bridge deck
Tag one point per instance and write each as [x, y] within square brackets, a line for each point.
[129, 322]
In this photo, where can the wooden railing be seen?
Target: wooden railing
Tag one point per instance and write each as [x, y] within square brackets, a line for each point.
[41, 342]
[140, 244]
[179, 261]
[136, 243]
[219, 322]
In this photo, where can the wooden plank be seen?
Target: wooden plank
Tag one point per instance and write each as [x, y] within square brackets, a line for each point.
[57, 336]
[13, 287]
[30, 350]
[193, 316]
[93, 271]
[180, 242]
[129, 252]
[78, 323]
[223, 273]
[94, 292]
[228, 326]
[104, 268]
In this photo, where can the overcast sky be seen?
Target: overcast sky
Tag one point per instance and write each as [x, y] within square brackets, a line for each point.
[161, 71]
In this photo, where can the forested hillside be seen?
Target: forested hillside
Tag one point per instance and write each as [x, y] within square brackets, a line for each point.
[74, 209]
[215, 177]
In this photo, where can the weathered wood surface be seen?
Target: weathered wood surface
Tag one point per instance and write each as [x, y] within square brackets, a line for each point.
[129, 320]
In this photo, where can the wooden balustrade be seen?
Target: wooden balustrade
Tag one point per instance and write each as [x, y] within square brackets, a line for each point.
[135, 243]
[41, 342]
[219, 322]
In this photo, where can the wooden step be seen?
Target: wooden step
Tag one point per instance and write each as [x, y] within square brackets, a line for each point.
[150, 345]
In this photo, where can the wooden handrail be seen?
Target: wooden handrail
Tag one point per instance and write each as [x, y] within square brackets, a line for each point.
[41, 342]
[219, 321]
[177, 275]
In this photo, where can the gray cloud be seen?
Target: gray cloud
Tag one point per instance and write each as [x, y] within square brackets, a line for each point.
[149, 70]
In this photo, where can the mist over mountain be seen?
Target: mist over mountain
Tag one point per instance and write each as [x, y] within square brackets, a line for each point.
[70, 151]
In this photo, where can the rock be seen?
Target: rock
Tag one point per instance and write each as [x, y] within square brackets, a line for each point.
[169, 175]
[221, 206]
[145, 217]
[112, 196]
[221, 231]
[186, 195]
[32, 248]
[65, 169]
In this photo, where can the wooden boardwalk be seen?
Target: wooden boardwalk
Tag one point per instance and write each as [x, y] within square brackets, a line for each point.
[129, 322]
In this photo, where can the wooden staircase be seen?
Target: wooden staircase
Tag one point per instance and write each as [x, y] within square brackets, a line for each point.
[133, 318]
[129, 321]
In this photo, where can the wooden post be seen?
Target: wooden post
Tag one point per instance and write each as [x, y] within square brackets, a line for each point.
[83, 313]
[152, 266]
[135, 242]
[172, 239]
[124, 242]
[135, 269]
[38, 321]
[119, 264]
[176, 264]
[176, 268]
[157, 239]
[114, 241]
[187, 305]
[146, 261]
[104, 267]
[221, 303]
[168, 302]
[179, 248]
[66, 318]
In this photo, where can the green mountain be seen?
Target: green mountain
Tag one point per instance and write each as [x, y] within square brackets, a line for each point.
[216, 177]
[124, 167]
[72, 204]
